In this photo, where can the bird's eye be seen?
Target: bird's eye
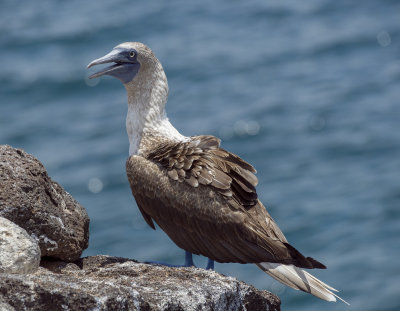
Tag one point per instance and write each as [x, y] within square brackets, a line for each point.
[132, 54]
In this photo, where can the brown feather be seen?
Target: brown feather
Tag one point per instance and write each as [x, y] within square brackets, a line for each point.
[215, 212]
[173, 174]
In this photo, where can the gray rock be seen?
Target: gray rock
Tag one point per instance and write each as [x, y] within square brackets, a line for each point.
[4, 306]
[19, 253]
[29, 198]
[109, 283]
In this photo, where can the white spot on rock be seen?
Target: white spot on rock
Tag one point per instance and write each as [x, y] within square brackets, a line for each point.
[50, 244]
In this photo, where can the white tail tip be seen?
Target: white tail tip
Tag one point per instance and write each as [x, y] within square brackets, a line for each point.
[299, 279]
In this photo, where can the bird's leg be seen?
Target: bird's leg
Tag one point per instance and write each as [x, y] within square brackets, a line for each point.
[210, 264]
[188, 259]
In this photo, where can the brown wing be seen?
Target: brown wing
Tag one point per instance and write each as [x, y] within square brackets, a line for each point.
[201, 162]
[204, 198]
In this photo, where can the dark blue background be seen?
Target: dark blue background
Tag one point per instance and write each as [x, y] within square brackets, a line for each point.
[306, 91]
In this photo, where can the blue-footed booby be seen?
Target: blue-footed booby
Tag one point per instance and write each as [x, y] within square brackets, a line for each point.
[201, 195]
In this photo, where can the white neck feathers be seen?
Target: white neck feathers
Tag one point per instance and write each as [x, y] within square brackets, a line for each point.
[147, 119]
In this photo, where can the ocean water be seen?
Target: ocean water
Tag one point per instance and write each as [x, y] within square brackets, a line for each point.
[306, 91]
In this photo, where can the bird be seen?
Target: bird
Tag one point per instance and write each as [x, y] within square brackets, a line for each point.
[201, 195]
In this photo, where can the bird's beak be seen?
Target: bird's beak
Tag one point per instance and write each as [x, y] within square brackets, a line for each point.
[122, 69]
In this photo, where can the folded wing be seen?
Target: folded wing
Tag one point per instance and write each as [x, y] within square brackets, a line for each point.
[204, 198]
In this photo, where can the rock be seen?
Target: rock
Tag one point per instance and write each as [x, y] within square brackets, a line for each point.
[19, 253]
[29, 198]
[110, 283]
[4, 306]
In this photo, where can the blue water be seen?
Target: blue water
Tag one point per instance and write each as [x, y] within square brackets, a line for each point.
[307, 91]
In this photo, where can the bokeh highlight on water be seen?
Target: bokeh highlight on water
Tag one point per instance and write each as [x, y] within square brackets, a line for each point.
[306, 91]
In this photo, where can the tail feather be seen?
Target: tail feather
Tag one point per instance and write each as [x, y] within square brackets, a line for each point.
[299, 279]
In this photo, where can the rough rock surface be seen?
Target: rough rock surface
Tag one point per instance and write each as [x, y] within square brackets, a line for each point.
[4, 306]
[29, 198]
[109, 283]
[19, 253]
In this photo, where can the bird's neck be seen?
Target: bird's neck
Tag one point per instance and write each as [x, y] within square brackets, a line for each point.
[147, 123]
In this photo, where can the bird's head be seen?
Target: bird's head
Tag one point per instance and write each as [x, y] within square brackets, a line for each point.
[128, 59]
